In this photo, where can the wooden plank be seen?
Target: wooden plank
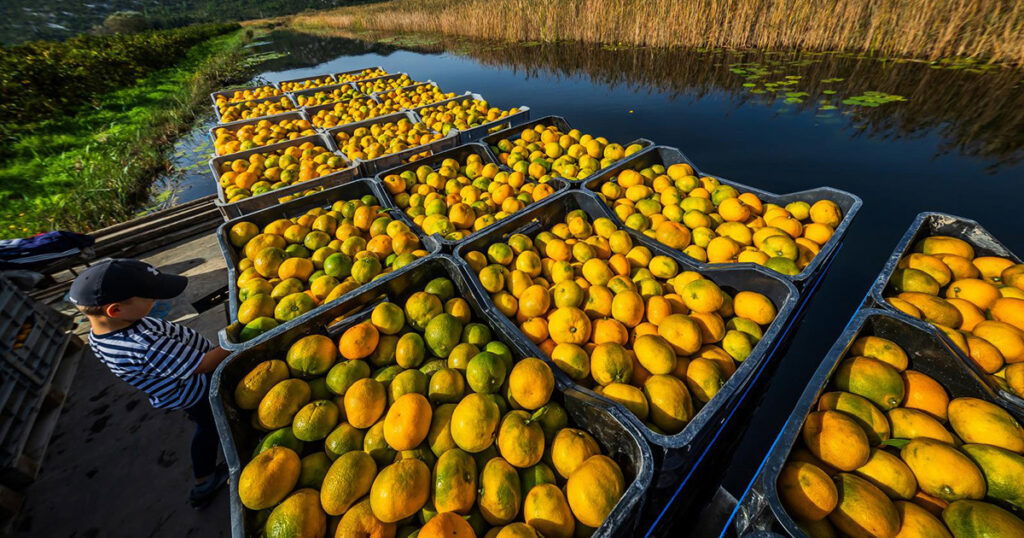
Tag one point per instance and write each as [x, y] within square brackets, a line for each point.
[169, 220]
[154, 215]
[132, 249]
[171, 216]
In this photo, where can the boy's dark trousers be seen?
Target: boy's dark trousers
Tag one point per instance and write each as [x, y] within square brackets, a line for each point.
[205, 442]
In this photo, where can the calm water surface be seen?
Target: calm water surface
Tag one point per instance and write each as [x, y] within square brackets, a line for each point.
[941, 138]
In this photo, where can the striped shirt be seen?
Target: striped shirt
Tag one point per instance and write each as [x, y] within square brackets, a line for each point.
[157, 357]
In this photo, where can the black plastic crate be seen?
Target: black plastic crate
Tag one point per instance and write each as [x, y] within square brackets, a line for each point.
[230, 92]
[32, 335]
[380, 96]
[474, 134]
[849, 203]
[513, 133]
[384, 78]
[459, 153]
[270, 198]
[329, 88]
[759, 510]
[985, 244]
[295, 106]
[619, 439]
[236, 125]
[355, 189]
[675, 454]
[373, 166]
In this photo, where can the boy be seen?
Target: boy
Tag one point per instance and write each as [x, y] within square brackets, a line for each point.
[168, 362]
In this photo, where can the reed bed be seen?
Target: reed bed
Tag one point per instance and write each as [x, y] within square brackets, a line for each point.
[932, 29]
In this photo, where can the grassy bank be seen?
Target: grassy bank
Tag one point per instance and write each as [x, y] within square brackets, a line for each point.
[990, 29]
[92, 167]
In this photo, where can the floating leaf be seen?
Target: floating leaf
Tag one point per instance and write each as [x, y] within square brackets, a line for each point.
[749, 85]
[829, 92]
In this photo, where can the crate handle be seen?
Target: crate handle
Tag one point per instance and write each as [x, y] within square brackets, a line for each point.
[500, 127]
[334, 326]
[526, 229]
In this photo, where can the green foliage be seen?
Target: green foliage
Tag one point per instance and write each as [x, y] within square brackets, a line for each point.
[43, 78]
[93, 166]
[873, 99]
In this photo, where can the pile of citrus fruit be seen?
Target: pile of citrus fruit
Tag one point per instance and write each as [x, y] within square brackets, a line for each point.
[384, 138]
[253, 109]
[248, 94]
[888, 452]
[263, 172]
[544, 151]
[462, 115]
[351, 111]
[612, 315]
[978, 301]
[460, 198]
[292, 265]
[300, 194]
[406, 98]
[384, 84]
[327, 96]
[261, 133]
[316, 82]
[417, 421]
[370, 72]
[716, 223]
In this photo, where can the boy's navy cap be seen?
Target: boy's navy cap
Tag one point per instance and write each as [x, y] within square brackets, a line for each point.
[118, 279]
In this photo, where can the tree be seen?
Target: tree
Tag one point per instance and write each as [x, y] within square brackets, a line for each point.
[125, 22]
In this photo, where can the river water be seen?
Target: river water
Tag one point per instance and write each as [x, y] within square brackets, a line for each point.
[904, 136]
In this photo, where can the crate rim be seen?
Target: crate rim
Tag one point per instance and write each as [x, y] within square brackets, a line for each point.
[352, 71]
[302, 79]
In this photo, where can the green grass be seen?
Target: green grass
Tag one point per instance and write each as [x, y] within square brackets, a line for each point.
[94, 168]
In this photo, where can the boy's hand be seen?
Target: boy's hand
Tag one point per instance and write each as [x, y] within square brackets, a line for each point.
[211, 360]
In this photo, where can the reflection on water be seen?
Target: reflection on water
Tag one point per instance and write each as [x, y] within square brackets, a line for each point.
[305, 50]
[978, 111]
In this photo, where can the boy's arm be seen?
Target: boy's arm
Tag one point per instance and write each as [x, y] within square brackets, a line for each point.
[211, 359]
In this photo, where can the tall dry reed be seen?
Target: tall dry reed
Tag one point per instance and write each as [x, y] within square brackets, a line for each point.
[991, 29]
